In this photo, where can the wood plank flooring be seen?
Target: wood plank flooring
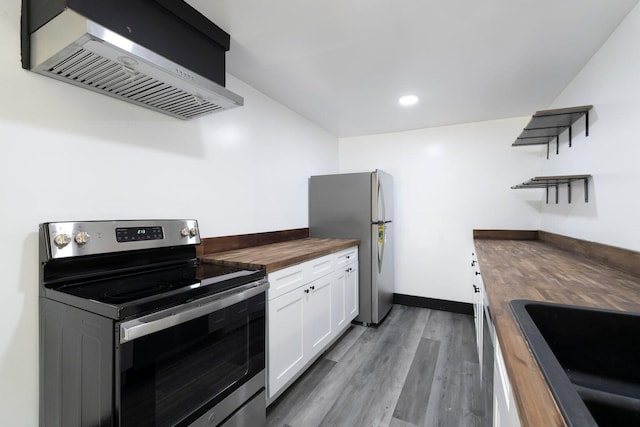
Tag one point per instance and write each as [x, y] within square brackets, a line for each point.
[418, 368]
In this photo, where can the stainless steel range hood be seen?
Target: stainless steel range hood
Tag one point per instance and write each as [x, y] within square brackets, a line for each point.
[77, 50]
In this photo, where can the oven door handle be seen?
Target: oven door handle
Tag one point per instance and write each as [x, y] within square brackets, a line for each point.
[164, 319]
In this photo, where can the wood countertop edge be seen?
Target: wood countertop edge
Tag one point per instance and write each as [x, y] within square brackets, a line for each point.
[523, 369]
[519, 278]
[308, 249]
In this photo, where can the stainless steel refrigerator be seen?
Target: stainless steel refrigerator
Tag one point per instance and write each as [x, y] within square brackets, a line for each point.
[359, 206]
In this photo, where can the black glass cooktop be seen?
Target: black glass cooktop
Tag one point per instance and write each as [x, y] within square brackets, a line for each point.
[133, 294]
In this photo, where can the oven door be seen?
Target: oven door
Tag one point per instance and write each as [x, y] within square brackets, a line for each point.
[189, 362]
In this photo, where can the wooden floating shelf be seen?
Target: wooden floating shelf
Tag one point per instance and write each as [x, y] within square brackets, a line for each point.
[546, 125]
[555, 181]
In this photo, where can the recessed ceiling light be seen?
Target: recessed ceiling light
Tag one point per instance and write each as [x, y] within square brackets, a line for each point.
[408, 100]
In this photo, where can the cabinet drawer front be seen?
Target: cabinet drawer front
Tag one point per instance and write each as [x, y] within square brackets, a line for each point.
[318, 267]
[287, 279]
[346, 256]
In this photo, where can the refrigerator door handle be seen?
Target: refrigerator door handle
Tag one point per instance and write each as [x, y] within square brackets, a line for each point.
[382, 228]
[378, 209]
[383, 218]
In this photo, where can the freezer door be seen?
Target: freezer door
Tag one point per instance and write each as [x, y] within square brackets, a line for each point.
[381, 270]
[381, 196]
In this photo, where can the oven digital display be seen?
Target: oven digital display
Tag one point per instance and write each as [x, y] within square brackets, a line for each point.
[137, 234]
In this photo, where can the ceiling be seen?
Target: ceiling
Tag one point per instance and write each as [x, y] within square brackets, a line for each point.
[343, 64]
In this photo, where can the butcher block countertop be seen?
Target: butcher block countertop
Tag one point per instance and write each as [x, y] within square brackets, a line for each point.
[536, 270]
[276, 256]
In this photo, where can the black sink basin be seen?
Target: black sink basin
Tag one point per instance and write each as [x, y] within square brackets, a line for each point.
[590, 358]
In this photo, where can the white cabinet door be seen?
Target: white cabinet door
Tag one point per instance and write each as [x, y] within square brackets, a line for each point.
[339, 299]
[352, 301]
[286, 338]
[317, 315]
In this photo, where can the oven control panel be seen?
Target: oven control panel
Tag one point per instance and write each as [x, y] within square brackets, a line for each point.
[79, 238]
[137, 234]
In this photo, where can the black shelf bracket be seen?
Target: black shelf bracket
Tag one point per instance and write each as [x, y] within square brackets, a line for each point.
[545, 125]
[570, 127]
[555, 181]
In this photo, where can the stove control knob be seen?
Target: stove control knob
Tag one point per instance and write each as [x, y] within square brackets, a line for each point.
[184, 232]
[193, 232]
[82, 238]
[62, 240]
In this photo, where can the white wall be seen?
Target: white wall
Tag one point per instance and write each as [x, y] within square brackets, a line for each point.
[611, 83]
[71, 154]
[448, 181]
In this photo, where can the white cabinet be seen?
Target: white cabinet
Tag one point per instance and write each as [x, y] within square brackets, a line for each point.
[309, 305]
[300, 325]
[345, 305]
[478, 306]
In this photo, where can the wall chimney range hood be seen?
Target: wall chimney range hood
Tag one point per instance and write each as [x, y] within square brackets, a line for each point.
[159, 54]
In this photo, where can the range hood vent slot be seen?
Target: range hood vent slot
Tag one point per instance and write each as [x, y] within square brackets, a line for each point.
[101, 74]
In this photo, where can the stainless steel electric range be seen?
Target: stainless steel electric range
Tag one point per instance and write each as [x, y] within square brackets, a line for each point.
[134, 331]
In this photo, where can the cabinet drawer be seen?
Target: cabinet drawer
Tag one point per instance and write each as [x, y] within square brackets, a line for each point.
[318, 267]
[287, 279]
[346, 256]
[292, 277]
